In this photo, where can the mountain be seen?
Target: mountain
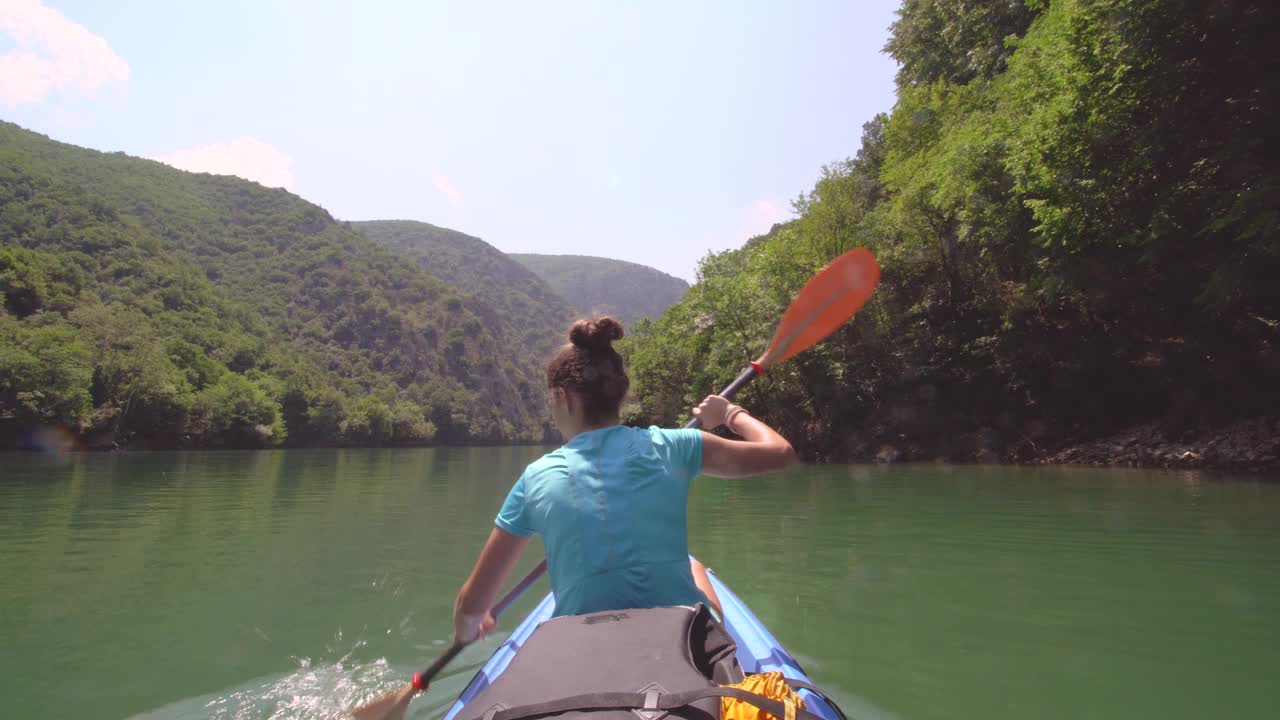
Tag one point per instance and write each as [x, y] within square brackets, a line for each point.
[143, 305]
[595, 285]
[518, 305]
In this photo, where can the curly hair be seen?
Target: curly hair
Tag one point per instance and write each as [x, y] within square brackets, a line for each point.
[591, 368]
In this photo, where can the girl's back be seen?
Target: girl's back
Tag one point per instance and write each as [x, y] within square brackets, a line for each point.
[611, 508]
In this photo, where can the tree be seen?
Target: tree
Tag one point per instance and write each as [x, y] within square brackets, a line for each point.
[45, 371]
[235, 412]
[956, 41]
[369, 421]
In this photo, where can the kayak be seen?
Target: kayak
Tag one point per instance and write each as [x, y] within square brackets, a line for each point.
[757, 650]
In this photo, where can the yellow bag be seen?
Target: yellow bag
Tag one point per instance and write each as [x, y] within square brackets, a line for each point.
[771, 685]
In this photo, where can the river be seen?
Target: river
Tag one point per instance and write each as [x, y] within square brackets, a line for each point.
[290, 584]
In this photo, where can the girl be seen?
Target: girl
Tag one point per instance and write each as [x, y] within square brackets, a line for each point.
[611, 503]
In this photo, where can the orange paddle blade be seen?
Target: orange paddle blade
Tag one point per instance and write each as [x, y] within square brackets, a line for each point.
[391, 706]
[830, 298]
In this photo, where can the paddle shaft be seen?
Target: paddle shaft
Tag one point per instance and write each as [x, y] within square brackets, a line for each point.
[747, 376]
[425, 676]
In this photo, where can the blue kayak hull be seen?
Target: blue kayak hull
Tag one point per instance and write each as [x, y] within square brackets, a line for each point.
[758, 650]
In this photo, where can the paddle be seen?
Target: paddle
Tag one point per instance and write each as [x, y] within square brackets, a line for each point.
[393, 705]
[830, 298]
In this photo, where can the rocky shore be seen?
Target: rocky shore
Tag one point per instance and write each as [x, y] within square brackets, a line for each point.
[1249, 445]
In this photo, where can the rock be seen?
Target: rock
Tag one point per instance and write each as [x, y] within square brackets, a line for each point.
[989, 439]
[888, 454]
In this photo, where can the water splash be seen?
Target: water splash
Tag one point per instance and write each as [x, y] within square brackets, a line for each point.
[311, 692]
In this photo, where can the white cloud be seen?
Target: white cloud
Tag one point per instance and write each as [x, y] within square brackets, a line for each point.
[246, 157]
[53, 54]
[442, 184]
[764, 214]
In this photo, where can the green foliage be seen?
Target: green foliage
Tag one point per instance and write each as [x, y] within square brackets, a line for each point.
[369, 421]
[601, 286]
[31, 281]
[506, 299]
[45, 372]
[409, 424]
[191, 359]
[236, 412]
[22, 281]
[1074, 206]
[136, 388]
[956, 40]
[175, 280]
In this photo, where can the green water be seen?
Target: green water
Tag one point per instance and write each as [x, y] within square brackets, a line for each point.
[291, 584]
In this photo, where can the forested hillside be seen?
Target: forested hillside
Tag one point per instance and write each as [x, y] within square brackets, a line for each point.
[145, 306]
[517, 305]
[595, 285]
[1075, 206]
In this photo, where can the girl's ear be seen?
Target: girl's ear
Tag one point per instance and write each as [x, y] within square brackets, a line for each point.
[557, 395]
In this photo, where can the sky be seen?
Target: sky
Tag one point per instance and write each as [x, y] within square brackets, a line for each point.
[652, 131]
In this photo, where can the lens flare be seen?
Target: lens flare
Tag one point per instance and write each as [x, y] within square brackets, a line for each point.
[54, 441]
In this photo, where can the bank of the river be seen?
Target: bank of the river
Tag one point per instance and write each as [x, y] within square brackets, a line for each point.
[1251, 445]
[1248, 445]
[1244, 446]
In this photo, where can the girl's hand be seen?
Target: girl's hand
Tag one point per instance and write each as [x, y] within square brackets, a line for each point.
[469, 628]
[713, 411]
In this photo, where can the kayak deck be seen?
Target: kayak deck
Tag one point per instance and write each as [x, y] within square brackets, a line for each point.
[758, 651]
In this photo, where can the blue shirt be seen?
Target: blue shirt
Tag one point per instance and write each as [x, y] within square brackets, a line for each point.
[612, 508]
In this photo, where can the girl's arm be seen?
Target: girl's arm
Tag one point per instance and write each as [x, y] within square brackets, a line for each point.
[471, 618]
[761, 450]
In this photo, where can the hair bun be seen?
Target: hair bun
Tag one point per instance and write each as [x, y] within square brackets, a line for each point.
[596, 334]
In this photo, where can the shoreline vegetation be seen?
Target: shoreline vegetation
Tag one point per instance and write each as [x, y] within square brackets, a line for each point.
[1074, 206]
[1248, 446]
